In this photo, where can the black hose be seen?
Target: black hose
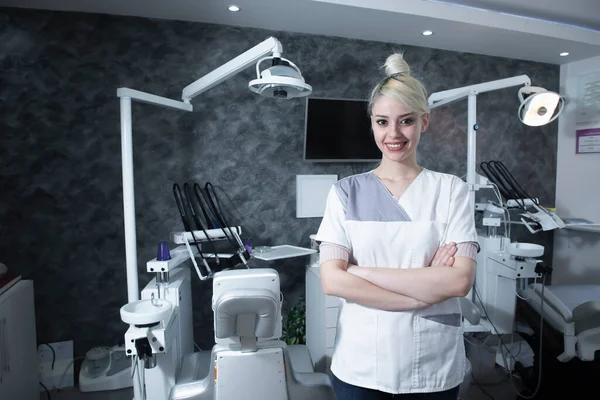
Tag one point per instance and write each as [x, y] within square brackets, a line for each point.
[199, 225]
[219, 215]
[200, 200]
[184, 220]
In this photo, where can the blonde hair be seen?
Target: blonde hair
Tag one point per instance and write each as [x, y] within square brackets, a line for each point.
[400, 85]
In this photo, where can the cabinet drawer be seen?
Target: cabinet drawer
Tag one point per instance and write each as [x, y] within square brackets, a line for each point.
[331, 317]
[330, 337]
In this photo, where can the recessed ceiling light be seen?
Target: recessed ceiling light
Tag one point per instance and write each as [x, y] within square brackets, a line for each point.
[427, 33]
[564, 54]
[234, 8]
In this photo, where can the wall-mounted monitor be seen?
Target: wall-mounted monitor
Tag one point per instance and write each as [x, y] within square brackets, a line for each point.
[338, 130]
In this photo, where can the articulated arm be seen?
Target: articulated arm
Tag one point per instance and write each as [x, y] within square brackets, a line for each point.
[241, 62]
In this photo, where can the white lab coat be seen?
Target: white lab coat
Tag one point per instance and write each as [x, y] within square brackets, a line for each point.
[398, 352]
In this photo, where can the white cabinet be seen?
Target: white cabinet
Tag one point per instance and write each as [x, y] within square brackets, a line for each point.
[18, 349]
[321, 321]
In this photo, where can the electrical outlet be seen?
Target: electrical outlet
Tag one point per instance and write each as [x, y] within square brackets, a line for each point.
[56, 368]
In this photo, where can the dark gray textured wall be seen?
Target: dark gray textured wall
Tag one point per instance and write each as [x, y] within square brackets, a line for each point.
[60, 166]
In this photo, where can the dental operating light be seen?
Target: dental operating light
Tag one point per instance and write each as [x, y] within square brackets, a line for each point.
[283, 79]
[539, 106]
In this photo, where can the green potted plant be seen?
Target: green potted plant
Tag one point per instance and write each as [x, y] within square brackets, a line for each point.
[294, 324]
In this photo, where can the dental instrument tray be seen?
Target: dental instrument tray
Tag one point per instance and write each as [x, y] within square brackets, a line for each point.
[581, 224]
[283, 251]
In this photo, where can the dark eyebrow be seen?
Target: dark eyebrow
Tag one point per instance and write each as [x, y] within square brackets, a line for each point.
[401, 116]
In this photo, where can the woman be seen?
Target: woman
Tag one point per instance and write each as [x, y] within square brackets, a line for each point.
[382, 251]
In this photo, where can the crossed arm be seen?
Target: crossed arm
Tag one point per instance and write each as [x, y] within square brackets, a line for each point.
[394, 289]
[430, 285]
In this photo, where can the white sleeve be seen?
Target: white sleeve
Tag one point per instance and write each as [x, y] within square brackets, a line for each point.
[461, 221]
[332, 226]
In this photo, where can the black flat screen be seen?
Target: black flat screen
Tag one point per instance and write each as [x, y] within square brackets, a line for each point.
[339, 130]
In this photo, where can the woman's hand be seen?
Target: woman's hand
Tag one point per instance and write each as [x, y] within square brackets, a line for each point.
[444, 256]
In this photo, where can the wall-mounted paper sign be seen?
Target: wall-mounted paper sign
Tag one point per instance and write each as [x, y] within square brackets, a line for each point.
[588, 99]
[311, 194]
[588, 141]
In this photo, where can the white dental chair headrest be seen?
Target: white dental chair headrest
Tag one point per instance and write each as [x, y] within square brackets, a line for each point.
[247, 307]
[246, 312]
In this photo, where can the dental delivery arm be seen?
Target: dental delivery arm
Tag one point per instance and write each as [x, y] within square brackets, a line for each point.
[431, 285]
[337, 281]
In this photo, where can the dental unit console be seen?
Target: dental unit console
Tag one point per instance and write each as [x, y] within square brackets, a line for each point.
[248, 360]
[501, 263]
[560, 323]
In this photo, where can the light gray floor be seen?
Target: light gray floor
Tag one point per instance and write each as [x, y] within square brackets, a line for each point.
[123, 394]
[489, 382]
[498, 391]
[492, 383]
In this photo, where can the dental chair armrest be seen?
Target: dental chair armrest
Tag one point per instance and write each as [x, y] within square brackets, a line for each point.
[197, 390]
[312, 378]
[550, 300]
[588, 344]
[586, 316]
[469, 310]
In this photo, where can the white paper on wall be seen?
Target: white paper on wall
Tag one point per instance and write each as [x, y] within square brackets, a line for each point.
[588, 99]
[311, 194]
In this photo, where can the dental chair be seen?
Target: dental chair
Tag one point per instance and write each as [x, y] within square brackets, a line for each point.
[248, 360]
[569, 355]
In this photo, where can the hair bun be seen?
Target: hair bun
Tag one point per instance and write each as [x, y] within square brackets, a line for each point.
[396, 65]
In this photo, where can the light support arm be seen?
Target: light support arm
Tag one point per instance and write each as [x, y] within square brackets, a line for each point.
[472, 148]
[448, 96]
[126, 96]
[129, 200]
[239, 63]
[458, 93]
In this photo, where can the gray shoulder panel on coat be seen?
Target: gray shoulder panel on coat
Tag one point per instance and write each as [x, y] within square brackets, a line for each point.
[365, 198]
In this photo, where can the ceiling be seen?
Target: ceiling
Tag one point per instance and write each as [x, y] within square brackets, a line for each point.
[578, 13]
[536, 30]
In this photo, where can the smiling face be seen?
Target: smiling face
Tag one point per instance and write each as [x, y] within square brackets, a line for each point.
[397, 130]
